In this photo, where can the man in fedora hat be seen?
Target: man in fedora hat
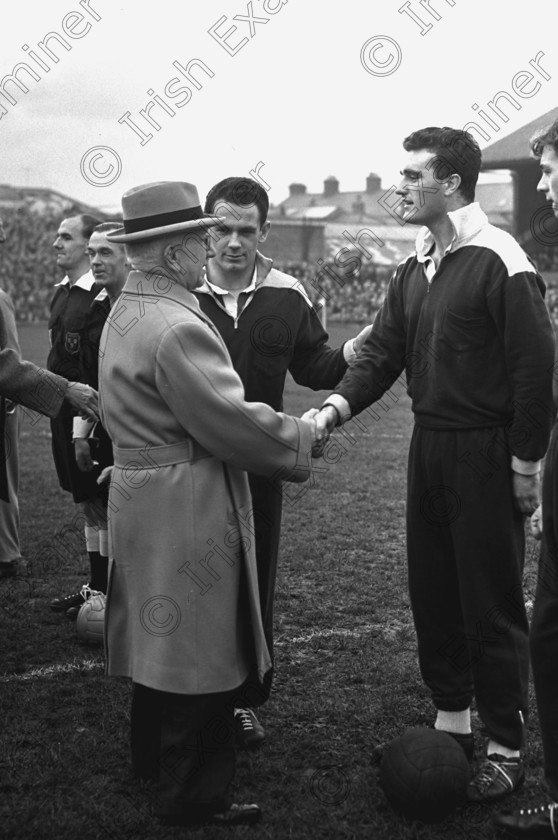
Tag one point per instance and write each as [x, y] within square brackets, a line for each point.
[183, 618]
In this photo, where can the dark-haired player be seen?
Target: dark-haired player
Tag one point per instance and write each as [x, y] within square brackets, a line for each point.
[74, 330]
[270, 327]
[542, 822]
[465, 318]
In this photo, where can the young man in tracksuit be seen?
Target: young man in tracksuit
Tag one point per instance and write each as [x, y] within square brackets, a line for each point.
[542, 822]
[270, 327]
[465, 318]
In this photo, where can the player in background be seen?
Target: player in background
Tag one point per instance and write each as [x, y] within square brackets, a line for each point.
[73, 327]
[270, 328]
[92, 445]
[542, 821]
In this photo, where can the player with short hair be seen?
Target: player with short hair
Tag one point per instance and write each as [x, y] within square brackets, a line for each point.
[74, 329]
[464, 317]
[92, 445]
[270, 328]
[542, 821]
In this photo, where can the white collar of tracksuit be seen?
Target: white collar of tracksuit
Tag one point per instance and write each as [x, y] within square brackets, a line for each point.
[466, 221]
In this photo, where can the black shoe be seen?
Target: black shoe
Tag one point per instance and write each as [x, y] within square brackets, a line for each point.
[67, 601]
[497, 777]
[234, 815]
[238, 815]
[532, 823]
[86, 593]
[250, 734]
[8, 568]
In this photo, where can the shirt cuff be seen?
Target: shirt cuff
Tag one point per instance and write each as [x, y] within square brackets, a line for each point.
[349, 352]
[81, 428]
[341, 405]
[525, 467]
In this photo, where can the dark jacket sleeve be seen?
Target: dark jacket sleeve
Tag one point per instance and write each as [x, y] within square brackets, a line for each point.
[382, 358]
[518, 308]
[315, 364]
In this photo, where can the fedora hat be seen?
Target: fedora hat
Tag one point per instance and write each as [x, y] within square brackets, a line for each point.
[158, 209]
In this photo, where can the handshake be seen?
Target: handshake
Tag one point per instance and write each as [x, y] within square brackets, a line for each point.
[323, 421]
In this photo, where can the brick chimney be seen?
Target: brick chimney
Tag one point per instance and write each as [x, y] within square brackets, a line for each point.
[297, 189]
[373, 183]
[331, 186]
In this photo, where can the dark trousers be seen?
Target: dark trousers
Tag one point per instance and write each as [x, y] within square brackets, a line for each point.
[544, 624]
[184, 744]
[267, 503]
[465, 543]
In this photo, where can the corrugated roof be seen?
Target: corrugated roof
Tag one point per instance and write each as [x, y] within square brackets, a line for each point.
[514, 148]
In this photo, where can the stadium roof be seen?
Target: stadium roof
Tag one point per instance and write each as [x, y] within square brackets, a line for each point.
[44, 199]
[513, 150]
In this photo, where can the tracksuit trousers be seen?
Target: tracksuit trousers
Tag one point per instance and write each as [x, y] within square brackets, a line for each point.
[465, 543]
[544, 624]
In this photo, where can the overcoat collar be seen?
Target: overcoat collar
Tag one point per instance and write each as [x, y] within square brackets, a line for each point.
[160, 286]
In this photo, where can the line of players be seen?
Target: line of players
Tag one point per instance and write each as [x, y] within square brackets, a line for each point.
[245, 297]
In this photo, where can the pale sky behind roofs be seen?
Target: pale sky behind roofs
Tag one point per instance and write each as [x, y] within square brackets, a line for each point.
[295, 96]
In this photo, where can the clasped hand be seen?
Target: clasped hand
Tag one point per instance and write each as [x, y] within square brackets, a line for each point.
[323, 422]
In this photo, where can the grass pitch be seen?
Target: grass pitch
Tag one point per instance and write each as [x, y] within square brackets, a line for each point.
[346, 668]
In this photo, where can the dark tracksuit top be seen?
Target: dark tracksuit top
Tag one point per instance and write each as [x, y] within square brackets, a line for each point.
[476, 343]
[276, 331]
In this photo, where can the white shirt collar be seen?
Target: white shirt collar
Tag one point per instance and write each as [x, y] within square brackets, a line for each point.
[218, 290]
[103, 295]
[86, 281]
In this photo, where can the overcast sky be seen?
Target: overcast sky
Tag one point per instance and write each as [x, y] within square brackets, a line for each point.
[318, 89]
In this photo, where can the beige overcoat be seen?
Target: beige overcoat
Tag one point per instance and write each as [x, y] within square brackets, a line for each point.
[182, 607]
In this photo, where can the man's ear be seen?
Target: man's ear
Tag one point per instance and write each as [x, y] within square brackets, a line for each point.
[453, 183]
[264, 231]
[169, 258]
[209, 246]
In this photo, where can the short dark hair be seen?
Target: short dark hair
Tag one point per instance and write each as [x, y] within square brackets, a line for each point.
[545, 137]
[88, 224]
[244, 192]
[454, 148]
[107, 227]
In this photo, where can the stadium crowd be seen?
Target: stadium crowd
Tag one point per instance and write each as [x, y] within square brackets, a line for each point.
[28, 272]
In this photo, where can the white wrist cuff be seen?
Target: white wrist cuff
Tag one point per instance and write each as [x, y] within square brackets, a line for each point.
[341, 405]
[81, 428]
[525, 467]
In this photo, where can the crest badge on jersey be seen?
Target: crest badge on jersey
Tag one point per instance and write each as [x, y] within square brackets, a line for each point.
[72, 343]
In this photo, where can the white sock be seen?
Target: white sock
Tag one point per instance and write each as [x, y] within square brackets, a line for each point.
[495, 747]
[457, 722]
[91, 537]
